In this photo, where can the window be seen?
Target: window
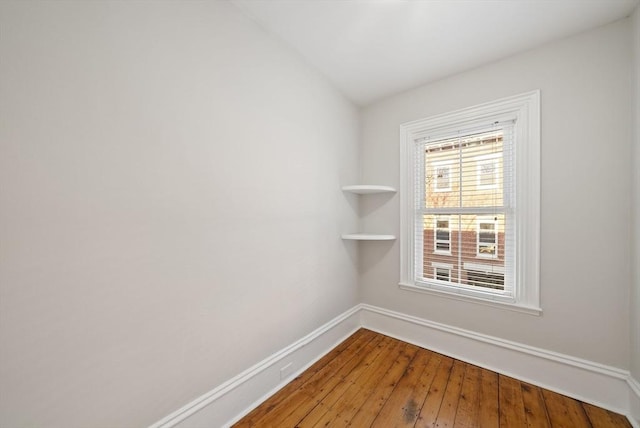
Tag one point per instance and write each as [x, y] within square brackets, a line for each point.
[470, 184]
[442, 274]
[487, 171]
[441, 271]
[478, 217]
[442, 236]
[441, 176]
[487, 237]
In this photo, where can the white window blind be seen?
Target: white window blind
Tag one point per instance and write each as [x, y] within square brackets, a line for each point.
[469, 223]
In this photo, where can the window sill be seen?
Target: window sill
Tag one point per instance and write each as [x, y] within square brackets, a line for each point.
[530, 310]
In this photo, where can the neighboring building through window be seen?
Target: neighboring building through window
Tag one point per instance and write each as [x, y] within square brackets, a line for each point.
[470, 198]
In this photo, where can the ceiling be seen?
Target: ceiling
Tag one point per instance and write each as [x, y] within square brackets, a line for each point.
[370, 49]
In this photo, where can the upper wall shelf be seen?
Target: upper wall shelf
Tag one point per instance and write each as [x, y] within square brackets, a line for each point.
[367, 237]
[364, 189]
[367, 189]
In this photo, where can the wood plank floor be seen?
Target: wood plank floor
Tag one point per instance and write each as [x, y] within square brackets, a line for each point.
[371, 380]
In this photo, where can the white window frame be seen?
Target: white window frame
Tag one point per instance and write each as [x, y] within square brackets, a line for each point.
[435, 235]
[481, 220]
[441, 164]
[483, 160]
[524, 286]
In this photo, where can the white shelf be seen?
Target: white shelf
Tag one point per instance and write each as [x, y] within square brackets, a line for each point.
[367, 237]
[365, 189]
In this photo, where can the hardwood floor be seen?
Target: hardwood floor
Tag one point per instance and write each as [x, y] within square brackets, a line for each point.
[371, 380]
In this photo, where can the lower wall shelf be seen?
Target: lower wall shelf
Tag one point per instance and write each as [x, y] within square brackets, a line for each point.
[368, 237]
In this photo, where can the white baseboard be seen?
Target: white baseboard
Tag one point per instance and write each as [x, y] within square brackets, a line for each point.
[634, 398]
[604, 386]
[227, 403]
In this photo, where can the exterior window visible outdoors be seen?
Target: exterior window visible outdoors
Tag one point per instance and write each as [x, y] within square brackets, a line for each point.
[487, 171]
[442, 239]
[442, 274]
[487, 237]
[470, 199]
[441, 176]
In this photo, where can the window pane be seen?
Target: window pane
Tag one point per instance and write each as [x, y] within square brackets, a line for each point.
[473, 246]
[443, 246]
[465, 172]
[487, 237]
[442, 274]
[487, 249]
[482, 170]
[442, 235]
[487, 225]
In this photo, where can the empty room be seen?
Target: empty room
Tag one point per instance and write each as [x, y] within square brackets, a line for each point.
[319, 213]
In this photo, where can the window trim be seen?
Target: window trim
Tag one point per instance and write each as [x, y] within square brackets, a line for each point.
[525, 110]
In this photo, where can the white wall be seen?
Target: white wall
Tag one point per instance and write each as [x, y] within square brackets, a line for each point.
[635, 263]
[585, 84]
[634, 301]
[170, 207]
